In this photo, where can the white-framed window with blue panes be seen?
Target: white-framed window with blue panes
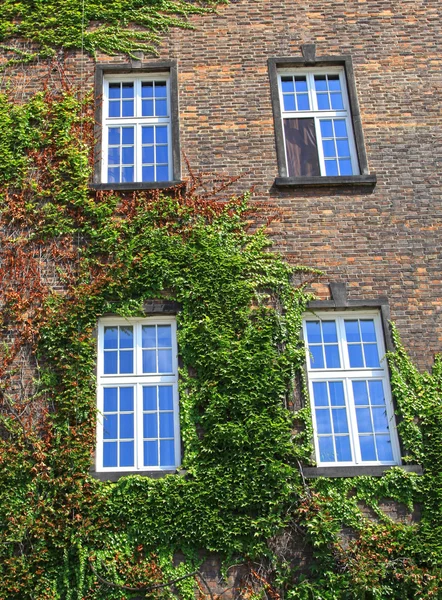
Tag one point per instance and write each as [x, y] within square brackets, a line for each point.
[317, 124]
[137, 395]
[349, 389]
[136, 141]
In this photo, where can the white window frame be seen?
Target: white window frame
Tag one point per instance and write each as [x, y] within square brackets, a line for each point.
[318, 114]
[137, 379]
[346, 374]
[137, 121]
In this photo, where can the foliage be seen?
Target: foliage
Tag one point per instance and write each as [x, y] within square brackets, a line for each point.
[70, 255]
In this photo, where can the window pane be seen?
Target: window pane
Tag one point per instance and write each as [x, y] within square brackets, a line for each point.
[110, 362]
[147, 89]
[303, 102]
[126, 454]
[164, 336]
[110, 399]
[385, 451]
[147, 108]
[110, 431]
[320, 83]
[329, 331]
[161, 108]
[287, 84]
[301, 147]
[163, 173]
[343, 150]
[149, 338]
[331, 168]
[352, 331]
[148, 174]
[166, 425]
[314, 332]
[301, 83]
[151, 454]
[326, 450]
[329, 148]
[368, 451]
[126, 361]
[336, 101]
[128, 108]
[126, 337]
[316, 358]
[126, 399]
[320, 393]
[150, 425]
[110, 337]
[127, 89]
[128, 135]
[114, 90]
[114, 109]
[289, 102]
[323, 101]
[323, 421]
[149, 398]
[337, 393]
[167, 453]
[113, 156]
[360, 392]
[345, 167]
[162, 154]
[376, 392]
[343, 449]
[148, 155]
[340, 128]
[364, 420]
[355, 356]
[326, 128]
[166, 397]
[160, 89]
[340, 424]
[127, 155]
[113, 175]
[149, 361]
[161, 134]
[165, 361]
[127, 174]
[126, 426]
[380, 421]
[110, 454]
[114, 136]
[332, 357]
[371, 355]
[147, 135]
[333, 83]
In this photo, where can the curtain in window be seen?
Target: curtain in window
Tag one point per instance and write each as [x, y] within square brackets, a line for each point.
[301, 147]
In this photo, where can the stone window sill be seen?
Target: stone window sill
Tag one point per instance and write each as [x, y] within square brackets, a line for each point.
[115, 475]
[131, 187]
[356, 471]
[368, 181]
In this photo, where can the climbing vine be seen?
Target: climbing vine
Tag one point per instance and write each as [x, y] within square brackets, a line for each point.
[70, 255]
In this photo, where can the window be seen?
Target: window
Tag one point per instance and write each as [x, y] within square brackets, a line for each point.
[349, 388]
[138, 424]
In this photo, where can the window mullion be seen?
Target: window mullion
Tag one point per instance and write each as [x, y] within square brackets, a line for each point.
[353, 425]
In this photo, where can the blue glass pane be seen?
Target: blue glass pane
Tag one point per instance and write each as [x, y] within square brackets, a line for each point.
[320, 395]
[368, 451]
[110, 454]
[333, 83]
[326, 450]
[127, 174]
[148, 174]
[150, 454]
[149, 397]
[161, 108]
[289, 103]
[343, 449]
[329, 331]
[148, 336]
[110, 427]
[340, 128]
[355, 356]
[127, 426]
[323, 421]
[364, 420]
[166, 425]
[114, 136]
[320, 83]
[332, 357]
[329, 148]
[163, 173]
[161, 135]
[326, 129]
[126, 337]
[303, 102]
[331, 168]
[127, 361]
[160, 89]
[128, 108]
[287, 84]
[147, 89]
[126, 454]
[150, 424]
[376, 392]
[336, 389]
[128, 135]
[371, 355]
[336, 101]
[167, 453]
[165, 361]
[314, 332]
[360, 393]
[323, 102]
[385, 451]
[114, 108]
[149, 361]
[114, 90]
[367, 330]
[148, 155]
[301, 84]
[110, 362]
[113, 156]
[343, 150]
[128, 90]
[113, 175]
[164, 336]
[127, 156]
[147, 135]
[110, 337]
[126, 398]
[345, 167]
[110, 399]
[340, 424]
[316, 358]
[147, 108]
[352, 331]
[162, 154]
[380, 421]
[166, 397]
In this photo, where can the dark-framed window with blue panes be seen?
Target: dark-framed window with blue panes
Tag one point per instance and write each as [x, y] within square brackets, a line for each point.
[137, 132]
[137, 395]
[349, 389]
